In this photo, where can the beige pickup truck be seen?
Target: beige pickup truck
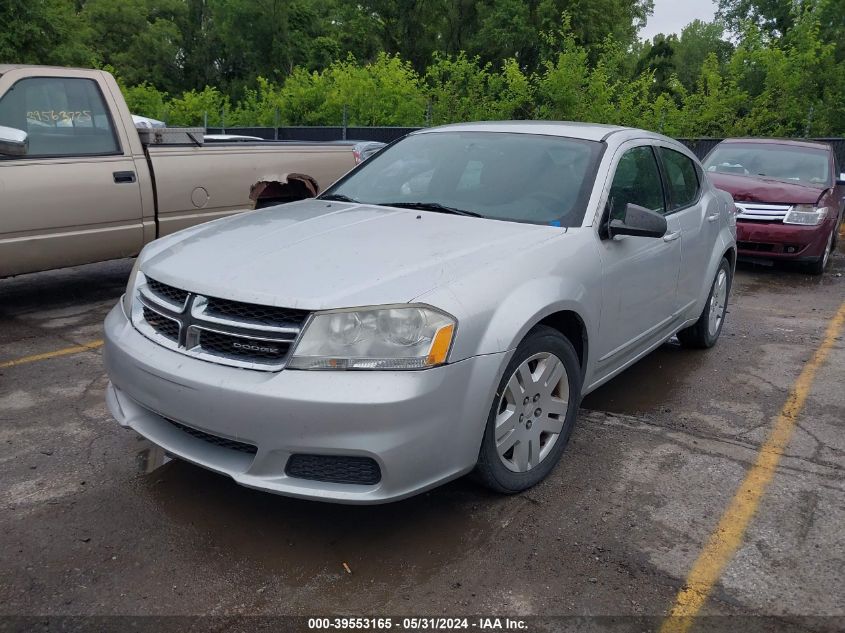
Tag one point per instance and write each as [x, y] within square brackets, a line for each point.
[79, 183]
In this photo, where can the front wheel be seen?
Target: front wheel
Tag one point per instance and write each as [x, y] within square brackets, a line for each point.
[820, 265]
[706, 330]
[533, 413]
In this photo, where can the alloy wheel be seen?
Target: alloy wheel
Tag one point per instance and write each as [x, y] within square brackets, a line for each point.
[828, 250]
[718, 302]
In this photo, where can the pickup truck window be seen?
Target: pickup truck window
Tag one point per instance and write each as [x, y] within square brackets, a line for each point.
[62, 116]
[476, 172]
[637, 181]
[681, 178]
[790, 163]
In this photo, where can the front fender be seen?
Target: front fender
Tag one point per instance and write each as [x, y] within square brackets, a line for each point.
[499, 326]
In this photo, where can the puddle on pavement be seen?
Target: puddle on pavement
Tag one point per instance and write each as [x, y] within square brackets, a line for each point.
[151, 457]
[644, 387]
[304, 541]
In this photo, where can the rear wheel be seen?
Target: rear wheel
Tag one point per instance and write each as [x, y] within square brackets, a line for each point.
[706, 330]
[532, 414]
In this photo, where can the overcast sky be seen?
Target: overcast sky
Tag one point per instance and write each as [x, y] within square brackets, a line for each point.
[670, 16]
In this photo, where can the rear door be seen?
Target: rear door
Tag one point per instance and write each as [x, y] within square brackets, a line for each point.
[640, 273]
[696, 217]
[74, 198]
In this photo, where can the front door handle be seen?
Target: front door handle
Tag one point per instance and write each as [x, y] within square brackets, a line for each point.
[121, 177]
[713, 218]
[671, 237]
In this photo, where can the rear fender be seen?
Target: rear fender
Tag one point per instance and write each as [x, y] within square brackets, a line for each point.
[282, 189]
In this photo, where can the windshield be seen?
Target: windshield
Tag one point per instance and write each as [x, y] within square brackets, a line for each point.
[804, 165]
[505, 176]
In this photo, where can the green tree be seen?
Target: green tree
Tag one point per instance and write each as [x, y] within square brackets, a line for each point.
[140, 39]
[43, 32]
[698, 40]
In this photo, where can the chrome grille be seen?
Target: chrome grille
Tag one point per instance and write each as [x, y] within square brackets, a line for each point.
[762, 212]
[255, 314]
[223, 331]
[237, 346]
[165, 326]
[168, 294]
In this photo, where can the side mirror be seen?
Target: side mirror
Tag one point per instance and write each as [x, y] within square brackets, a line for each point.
[639, 222]
[840, 182]
[13, 142]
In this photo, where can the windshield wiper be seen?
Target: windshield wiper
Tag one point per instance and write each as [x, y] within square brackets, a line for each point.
[431, 206]
[337, 197]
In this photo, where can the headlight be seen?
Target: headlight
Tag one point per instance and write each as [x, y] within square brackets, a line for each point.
[391, 337]
[129, 295]
[805, 214]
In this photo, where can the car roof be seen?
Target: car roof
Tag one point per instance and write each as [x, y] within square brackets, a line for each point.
[570, 129]
[778, 141]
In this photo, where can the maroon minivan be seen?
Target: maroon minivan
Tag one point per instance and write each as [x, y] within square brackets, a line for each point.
[788, 194]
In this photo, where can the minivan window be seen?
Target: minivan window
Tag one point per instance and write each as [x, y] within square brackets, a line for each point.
[62, 116]
[498, 175]
[805, 165]
[681, 178]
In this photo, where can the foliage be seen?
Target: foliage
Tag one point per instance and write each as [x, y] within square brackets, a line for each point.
[417, 62]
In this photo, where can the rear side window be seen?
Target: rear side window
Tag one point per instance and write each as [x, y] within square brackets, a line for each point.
[681, 178]
[637, 181]
[62, 116]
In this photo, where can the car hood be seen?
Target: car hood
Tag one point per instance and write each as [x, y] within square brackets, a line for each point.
[765, 190]
[318, 255]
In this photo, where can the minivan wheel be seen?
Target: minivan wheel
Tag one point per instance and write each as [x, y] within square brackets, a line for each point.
[820, 265]
[706, 330]
[532, 414]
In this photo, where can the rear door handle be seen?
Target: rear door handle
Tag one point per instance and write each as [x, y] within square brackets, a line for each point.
[671, 237]
[121, 177]
[713, 218]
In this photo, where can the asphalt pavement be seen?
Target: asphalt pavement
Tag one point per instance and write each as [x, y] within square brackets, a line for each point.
[92, 523]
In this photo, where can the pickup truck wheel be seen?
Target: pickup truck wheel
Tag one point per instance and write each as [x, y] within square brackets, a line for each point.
[533, 413]
[706, 330]
[820, 265]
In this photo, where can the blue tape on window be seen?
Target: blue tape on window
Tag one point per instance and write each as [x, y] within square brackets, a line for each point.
[554, 223]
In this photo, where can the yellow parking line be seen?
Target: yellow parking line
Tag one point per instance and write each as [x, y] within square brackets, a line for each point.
[46, 355]
[728, 535]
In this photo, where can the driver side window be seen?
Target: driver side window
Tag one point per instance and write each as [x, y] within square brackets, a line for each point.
[637, 181]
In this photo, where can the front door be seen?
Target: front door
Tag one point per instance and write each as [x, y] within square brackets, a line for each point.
[640, 273]
[74, 197]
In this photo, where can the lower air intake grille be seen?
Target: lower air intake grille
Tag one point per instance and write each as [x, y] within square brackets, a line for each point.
[222, 442]
[337, 469]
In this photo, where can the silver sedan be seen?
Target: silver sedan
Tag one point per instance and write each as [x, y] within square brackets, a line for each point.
[440, 310]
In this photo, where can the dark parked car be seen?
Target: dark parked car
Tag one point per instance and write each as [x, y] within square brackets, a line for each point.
[788, 196]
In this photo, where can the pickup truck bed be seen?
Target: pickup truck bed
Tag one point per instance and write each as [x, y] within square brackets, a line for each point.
[87, 189]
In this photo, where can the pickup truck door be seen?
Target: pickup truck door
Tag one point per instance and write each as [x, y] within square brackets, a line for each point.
[75, 196]
[698, 217]
[640, 274]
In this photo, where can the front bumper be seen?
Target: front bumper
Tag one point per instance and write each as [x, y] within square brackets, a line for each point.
[775, 240]
[421, 427]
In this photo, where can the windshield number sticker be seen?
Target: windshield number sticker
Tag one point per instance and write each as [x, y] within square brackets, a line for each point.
[80, 116]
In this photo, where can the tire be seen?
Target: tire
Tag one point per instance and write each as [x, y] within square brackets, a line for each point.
[704, 333]
[538, 437]
[820, 265]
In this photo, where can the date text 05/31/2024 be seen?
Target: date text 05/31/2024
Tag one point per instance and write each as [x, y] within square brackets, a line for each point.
[418, 624]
